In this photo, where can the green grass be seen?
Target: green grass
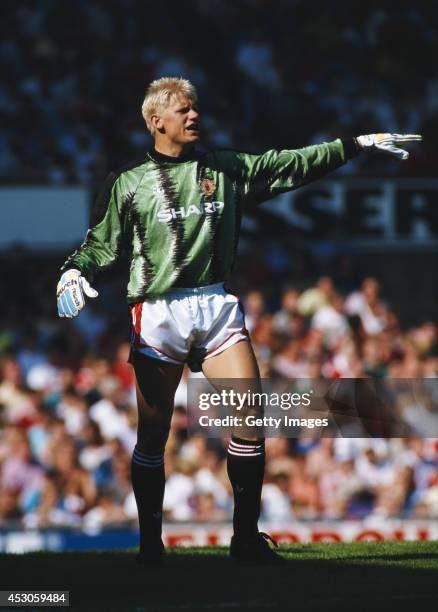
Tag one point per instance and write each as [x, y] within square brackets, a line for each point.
[358, 576]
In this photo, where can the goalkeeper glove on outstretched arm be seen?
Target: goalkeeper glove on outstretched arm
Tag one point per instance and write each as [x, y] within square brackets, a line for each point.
[387, 143]
[70, 293]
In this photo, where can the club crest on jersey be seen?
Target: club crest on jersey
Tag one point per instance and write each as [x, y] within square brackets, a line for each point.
[205, 208]
[208, 186]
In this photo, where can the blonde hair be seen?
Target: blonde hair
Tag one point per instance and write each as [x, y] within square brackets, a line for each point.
[161, 92]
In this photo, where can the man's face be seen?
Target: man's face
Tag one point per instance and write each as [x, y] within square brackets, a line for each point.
[179, 121]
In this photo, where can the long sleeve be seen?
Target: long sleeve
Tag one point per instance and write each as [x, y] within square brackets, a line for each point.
[102, 244]
[262, 177]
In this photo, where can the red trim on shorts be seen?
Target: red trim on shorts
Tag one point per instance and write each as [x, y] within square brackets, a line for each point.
[136, 312]
[139, 344]
[243, 331]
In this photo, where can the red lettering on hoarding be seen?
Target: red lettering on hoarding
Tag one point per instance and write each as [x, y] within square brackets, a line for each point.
[369, 534]
[285, 536]
[179, 539]
[341, 534]
[212, 539]
[326, 536]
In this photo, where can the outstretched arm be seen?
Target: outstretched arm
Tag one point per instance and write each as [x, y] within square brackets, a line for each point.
[277, 171]
[262, 177]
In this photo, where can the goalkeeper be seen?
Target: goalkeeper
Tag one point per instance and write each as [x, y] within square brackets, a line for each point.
[179, 211]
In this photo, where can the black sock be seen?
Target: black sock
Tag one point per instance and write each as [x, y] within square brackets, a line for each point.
[246, 466]
[148, 480]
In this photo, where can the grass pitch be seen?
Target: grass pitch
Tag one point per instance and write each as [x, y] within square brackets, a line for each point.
[358, 576]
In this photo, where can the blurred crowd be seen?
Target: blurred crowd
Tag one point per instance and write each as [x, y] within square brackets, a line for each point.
[68, 412]
[269, 75]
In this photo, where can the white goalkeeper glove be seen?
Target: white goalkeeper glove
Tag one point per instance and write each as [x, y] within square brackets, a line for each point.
[388, 143]
[70, 293]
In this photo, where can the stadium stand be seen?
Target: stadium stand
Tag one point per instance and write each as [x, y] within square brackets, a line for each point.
[68, 416]
[70, 106]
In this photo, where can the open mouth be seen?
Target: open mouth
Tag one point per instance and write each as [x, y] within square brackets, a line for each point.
[193, 128]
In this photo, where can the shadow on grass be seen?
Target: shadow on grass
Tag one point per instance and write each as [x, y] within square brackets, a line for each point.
[205, 581]
[402, 557]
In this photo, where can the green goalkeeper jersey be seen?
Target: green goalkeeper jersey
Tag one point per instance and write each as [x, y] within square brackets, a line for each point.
[179, 218]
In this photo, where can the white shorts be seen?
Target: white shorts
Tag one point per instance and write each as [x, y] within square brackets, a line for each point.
[188, 325]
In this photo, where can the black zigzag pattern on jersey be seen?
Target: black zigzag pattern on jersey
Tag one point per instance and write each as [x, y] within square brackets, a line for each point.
[98, 211]
[100, 204]
[216, 258]
[140, 229]
[171, 197]
[200, 170]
